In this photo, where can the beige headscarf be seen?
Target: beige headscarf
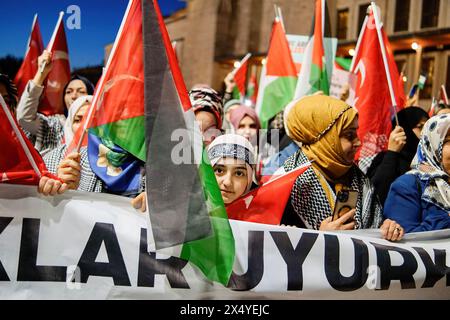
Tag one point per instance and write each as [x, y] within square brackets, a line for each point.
[317, 122]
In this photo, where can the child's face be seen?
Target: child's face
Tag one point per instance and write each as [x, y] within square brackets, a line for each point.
[232, 177]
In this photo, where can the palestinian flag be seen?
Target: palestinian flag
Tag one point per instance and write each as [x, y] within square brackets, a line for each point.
[252, 89]
[315, 74]
[342, 63]
[118, 103]
[184, 200]
[278, 78]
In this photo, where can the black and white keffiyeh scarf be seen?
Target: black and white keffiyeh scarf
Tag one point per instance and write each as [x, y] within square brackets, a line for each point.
[310, 202]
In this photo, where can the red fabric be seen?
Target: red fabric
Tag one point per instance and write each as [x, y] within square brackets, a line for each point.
[121, 94]
[240, 76]
[174, 67]
[253, 85]
[373, 99]
[29, 65]
[266, 203]
[15, 166]
[318, 49]
[279, 58]
[59, 76]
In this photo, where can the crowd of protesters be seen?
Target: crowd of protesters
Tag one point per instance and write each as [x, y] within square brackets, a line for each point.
[406, 188]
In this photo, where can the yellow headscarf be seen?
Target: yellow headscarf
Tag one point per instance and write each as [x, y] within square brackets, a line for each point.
[317, 122]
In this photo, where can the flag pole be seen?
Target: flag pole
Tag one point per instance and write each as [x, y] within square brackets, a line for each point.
[385, 62]
[52, 40]
[19, 137]
[444, 93]
[31, 33]
[102, 78]
[244, 60]
[280, 15]
[358, 43]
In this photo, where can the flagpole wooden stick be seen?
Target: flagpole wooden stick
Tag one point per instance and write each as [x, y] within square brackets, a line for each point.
[280, 15]
[244, 60]
[52, 40]
[385, 62]
[102, 78]
[444, 92]
[358, 43]
[31, 33]
[19, 137]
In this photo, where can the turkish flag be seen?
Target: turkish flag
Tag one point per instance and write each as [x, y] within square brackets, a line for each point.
[20, 163]
[29, 65]
[373, 99]
[266, 203]
[59, 76]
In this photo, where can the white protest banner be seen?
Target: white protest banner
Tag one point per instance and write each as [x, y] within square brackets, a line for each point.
[93, 246]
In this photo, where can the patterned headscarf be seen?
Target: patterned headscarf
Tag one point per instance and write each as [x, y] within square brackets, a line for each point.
[236, 147]
[427, 163]
[207, 99]
[317, 122]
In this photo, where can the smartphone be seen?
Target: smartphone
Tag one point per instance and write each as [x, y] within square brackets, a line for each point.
[413, 90]
[345, 201]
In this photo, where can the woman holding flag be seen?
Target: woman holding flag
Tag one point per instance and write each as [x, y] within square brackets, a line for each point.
[46, 131]
[327, 129]
[74, 168]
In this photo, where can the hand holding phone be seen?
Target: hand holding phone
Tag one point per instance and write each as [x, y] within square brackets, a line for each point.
[345, 201]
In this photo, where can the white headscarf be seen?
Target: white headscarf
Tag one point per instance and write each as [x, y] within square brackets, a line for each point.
[237, 147]
[74, 107]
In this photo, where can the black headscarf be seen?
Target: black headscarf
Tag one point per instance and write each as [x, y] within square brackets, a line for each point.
[89, 88]
[12, 91]
[408, 119]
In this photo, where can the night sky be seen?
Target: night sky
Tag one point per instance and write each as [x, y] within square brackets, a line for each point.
[100, 21]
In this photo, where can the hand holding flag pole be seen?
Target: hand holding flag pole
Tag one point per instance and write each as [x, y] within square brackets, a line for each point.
[52, 40]
[385, 62]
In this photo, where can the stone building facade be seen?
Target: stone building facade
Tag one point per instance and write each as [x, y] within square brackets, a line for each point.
[212, 34]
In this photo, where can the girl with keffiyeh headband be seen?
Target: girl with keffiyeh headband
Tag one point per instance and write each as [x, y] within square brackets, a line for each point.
[327, 130]
[420, 199]
[233, 160]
